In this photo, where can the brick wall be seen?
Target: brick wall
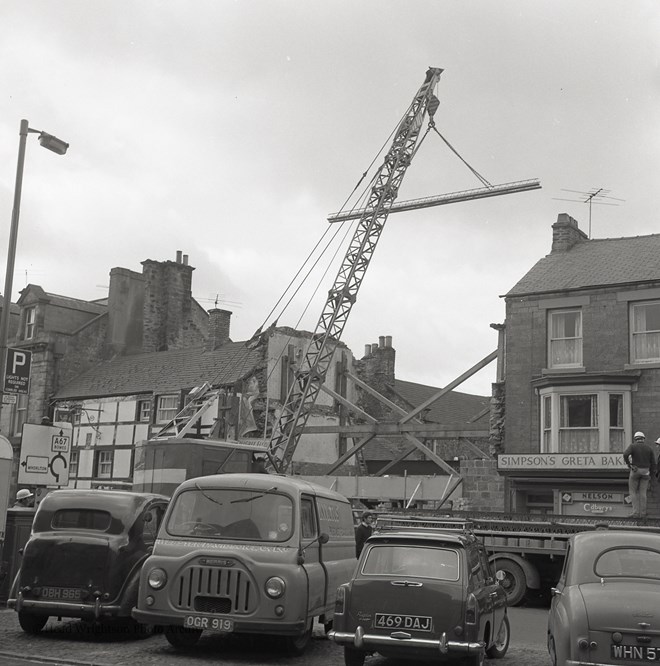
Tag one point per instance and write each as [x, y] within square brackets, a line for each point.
[483, 487]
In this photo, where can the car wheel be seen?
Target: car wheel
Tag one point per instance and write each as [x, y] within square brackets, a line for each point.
[31, 623]
[353, 657]
[295, 646]
[476, 659]
[514, 583]
[498, 649]
[552, 650]
[182, 637]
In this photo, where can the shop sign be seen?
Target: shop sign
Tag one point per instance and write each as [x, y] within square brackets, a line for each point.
[560, 461]
[594, 503]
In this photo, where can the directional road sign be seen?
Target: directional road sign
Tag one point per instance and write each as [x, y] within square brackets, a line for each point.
[45, 454]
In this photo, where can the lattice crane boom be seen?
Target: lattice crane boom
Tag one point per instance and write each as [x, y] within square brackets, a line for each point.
[341, 298]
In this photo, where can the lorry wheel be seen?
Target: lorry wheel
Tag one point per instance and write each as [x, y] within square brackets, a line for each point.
[295, 646]
[31, 623]
[498, 649]
[182, 637]
[514, 583]
[353, 657]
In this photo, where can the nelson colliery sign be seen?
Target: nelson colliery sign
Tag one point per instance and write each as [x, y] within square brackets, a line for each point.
[560, 461]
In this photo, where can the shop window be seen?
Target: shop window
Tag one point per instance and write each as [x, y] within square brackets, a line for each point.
[168, 408]
[645, 332]
[585, 419]
[564, 338]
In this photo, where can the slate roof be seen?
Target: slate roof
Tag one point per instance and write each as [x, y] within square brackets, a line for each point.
[163, 372]
[594, 263]
[454, 410]
[96, 307]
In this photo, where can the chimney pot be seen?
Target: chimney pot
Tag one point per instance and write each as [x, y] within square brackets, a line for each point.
[367, 350]
[185, 259]
[381, 341]
[178, 256]
[374, 347]
[388, 340]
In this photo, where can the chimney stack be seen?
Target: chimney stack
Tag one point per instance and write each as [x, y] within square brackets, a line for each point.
[566, 233]
[219, 323]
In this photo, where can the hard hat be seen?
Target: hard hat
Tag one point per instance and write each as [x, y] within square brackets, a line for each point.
[23, 493]
[639, 435]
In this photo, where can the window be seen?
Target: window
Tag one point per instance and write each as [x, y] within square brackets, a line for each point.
[30, 322]
[74, 460]
[144, 411]
[103, 464]
[406, 560]
[585, 419]
[81, 519]
[19, 416]
[168, 407]
[645, 332]
[564, 338]
[307, 519]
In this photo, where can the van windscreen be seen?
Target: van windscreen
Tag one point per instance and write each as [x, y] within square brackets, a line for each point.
[231, 514]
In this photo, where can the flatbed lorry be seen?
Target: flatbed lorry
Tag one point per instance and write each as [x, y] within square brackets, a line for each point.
[528, 548]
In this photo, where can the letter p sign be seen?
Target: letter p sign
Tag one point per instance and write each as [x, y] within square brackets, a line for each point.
[17, 376]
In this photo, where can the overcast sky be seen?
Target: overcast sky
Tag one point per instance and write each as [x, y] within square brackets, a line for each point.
[231, 129]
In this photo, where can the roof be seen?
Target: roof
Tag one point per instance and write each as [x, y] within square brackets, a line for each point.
[454, 409]
[163, 372]
[594, 263]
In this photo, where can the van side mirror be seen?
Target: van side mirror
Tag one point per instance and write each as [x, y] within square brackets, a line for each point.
[322, 538]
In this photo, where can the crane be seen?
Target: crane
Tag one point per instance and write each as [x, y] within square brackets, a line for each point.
[310, 377]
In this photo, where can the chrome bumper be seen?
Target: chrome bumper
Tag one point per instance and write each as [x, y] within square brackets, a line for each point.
[64, 608]
[363, 641]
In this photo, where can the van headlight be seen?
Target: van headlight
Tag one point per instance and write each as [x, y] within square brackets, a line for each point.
[157, 578]
[275, 587]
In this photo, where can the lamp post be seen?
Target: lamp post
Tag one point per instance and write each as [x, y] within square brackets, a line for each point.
[55, 145]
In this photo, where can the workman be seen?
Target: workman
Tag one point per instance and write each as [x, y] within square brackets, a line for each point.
[640, 459]
[24, 499]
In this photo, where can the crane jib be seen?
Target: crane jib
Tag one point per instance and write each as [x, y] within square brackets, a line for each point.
[342, 296]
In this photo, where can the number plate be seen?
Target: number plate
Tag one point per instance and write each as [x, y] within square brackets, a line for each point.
[413, 622]
[632, 653]
[208, 623]
[60, 594]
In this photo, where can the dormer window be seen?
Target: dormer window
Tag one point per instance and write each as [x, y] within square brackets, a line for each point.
[565, 338]
[30, 322]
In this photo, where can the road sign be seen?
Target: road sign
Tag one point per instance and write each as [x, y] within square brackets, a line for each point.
[17, 371]
[45, 454]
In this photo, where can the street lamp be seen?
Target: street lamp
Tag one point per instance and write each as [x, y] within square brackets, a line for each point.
[55, 145]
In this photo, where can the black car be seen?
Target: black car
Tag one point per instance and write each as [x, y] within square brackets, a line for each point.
[84, 556]
[426, 595]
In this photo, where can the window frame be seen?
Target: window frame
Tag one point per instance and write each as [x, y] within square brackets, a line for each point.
[633, 333]
[144, 409]
[603, 392]
[160, 409]
[30, 329]
[98, 462]
[551, 314]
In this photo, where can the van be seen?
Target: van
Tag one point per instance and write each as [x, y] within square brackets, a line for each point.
[248, 554]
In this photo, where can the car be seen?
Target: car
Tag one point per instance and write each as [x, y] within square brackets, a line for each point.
[604, 608]
[84, 556]
[422, 595]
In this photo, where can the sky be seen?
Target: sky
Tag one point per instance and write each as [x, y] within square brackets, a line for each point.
[231, 129]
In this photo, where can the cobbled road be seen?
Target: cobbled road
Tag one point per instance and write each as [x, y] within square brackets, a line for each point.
[75, 643]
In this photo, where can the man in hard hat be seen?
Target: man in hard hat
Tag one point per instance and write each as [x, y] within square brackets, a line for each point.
[640, 458]
[24, 499]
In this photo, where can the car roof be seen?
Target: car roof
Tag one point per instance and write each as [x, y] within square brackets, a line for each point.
[460, 539]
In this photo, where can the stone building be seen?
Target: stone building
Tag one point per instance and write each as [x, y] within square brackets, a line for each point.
[582, 372]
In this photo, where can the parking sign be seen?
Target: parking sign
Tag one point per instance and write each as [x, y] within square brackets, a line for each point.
[17, 372]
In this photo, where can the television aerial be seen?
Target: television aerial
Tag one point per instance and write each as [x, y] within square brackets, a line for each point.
[593, 196]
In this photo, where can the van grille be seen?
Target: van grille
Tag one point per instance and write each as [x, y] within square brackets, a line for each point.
[214, 590]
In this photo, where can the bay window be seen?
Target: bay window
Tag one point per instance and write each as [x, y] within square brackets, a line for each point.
[585, 419]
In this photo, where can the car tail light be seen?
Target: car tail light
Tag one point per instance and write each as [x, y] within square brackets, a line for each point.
[340, 601]
[471, 610]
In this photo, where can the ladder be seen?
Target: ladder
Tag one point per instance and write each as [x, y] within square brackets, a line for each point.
[198, 401]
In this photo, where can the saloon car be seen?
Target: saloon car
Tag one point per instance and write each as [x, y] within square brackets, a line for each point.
[84, 556]
[604, 608]
[422, 595]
